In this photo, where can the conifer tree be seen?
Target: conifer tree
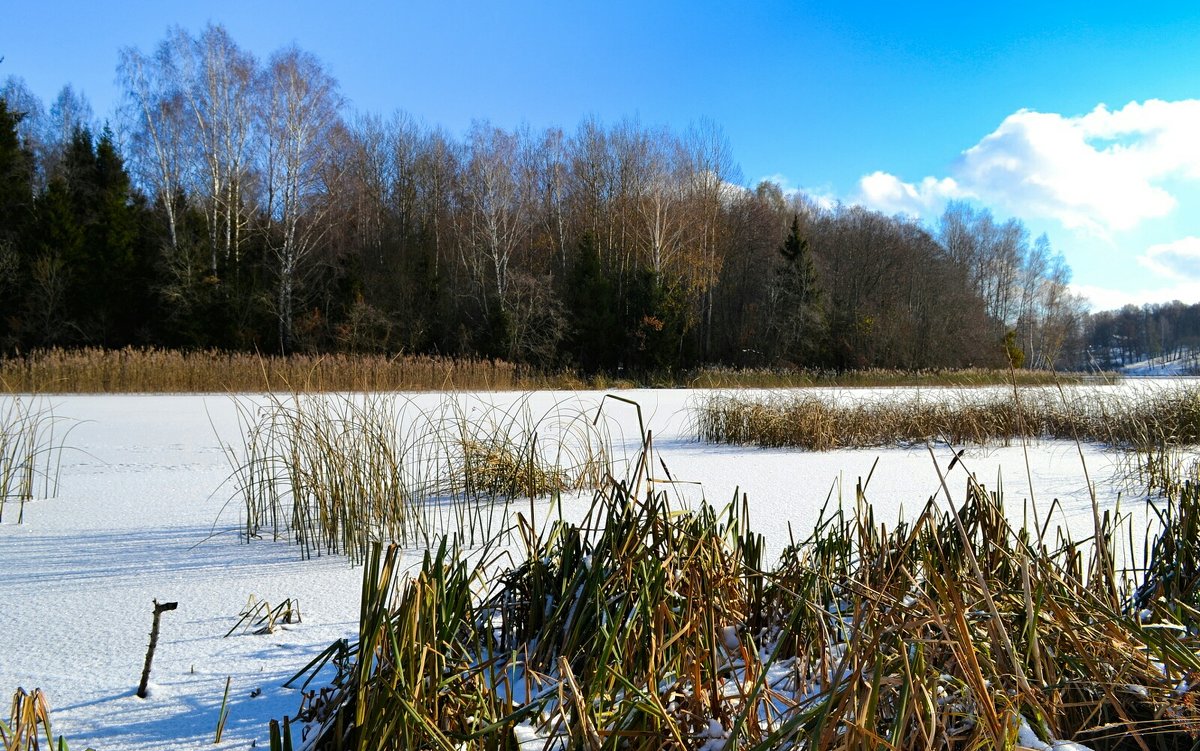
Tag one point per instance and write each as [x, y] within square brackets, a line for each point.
[594, 337]
[16, 207]
[797, 301]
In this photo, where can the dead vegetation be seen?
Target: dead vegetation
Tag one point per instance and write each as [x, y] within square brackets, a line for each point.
[814, 420]
[650, 627]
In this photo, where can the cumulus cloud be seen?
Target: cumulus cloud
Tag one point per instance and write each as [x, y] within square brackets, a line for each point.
[1179, 260]
[892, 195]
[1103, 171]
[1107, 298]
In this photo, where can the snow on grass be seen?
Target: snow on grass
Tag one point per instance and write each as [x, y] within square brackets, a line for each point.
[142, 513]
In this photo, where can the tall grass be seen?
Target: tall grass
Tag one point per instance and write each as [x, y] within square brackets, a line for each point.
[726, 378]
[31, 443]
[648, 627]
[130, 370]
[334, 473]
[1145, 420]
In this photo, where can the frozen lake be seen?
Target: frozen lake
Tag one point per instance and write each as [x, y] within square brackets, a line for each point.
[143, 512]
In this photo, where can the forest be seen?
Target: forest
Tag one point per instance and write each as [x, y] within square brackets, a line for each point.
[242, 204]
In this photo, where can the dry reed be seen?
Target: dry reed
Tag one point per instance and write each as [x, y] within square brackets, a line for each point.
[1167, 416]
[645, 627]
[31, 444]
[29, 721]
[131, 370]
[334, 473]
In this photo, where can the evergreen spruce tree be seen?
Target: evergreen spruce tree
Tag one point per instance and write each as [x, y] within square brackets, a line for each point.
[798, 303]
[16, 170]
[91, 267]
[16, 212]
[595, 337]
[121, 252]
[656, 317]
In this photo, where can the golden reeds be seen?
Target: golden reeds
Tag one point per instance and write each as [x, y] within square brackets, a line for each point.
[29, 721]
[715, 377]
[644, 627]
[335, 472]
[142, 370]
[31, 444]
[1166, 416]
[130, 370]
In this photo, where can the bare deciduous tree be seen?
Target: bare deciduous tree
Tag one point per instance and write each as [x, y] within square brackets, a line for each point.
[301, 125]
[497, 201]
[154, 114]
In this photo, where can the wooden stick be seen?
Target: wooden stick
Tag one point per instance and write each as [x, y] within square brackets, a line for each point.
[159, 609]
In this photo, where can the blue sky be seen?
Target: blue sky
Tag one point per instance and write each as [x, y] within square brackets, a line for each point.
[1079, 118]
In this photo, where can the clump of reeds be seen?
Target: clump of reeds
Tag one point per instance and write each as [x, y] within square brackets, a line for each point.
[1140, 420]
[334, 473]
[31, 443]
[29, 721]
[503, 470]
[645, 627]
[258, 617]
[1171, 572]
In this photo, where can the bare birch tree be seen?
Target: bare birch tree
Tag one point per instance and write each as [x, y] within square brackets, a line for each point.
[497, 204]
[155, 118]
[302, 120]
[216, 81]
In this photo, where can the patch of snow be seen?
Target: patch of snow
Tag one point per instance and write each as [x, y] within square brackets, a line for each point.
[729, 638]
[1027, 739]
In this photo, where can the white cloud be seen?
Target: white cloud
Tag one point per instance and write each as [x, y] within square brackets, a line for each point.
[1101, 172]
[1178, 260]
[893, 196]
[1107, 298]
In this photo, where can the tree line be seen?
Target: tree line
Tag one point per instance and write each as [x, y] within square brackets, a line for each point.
[1132, 334]
[242, 204]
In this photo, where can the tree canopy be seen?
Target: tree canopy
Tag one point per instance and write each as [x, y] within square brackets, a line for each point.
[247, 206]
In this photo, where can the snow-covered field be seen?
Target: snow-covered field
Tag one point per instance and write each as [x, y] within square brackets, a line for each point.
[142, 513]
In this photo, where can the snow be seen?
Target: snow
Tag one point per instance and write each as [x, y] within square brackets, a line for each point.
[1027, 739]
[143, 513]
[1167, 366]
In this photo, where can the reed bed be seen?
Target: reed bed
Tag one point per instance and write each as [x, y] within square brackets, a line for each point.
[31, 444]
[129, 370]
[334, 473]
[728, 378]
[134, 370]
[649, 627]
[1142, 420]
